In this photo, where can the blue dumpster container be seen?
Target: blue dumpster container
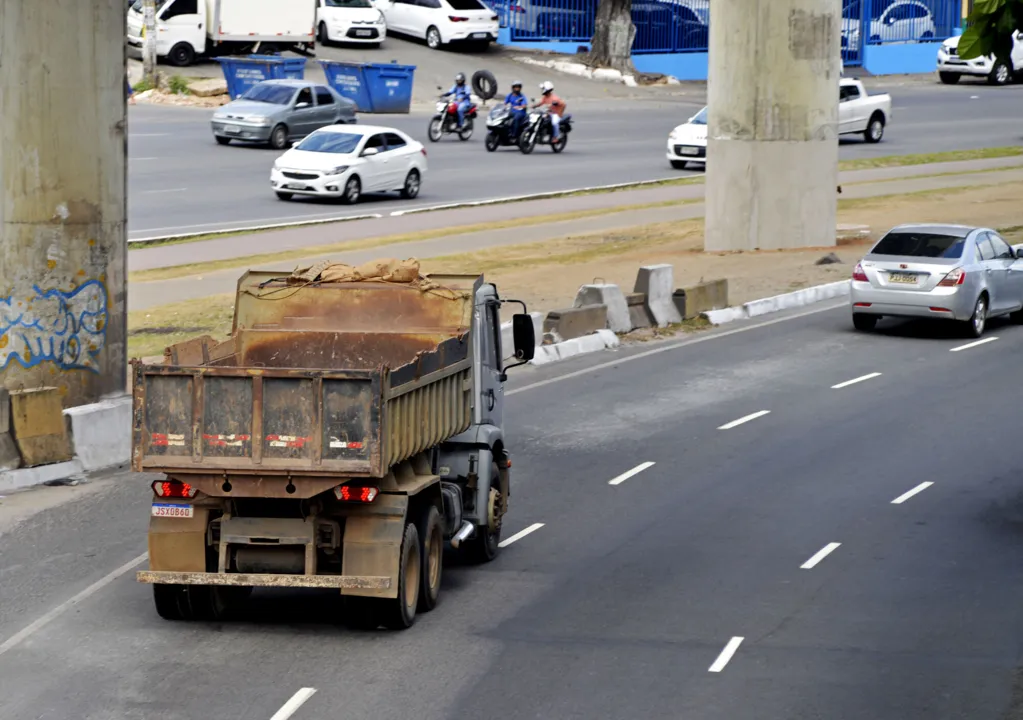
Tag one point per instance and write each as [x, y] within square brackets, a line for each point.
[374, 88]
[242, 73]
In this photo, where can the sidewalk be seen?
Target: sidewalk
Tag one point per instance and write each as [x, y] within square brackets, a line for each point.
[875, 183]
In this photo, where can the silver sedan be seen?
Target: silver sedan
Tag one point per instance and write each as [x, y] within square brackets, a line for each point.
[281, 111]
[951, 272]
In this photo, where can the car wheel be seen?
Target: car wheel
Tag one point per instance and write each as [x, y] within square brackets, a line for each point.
[411, 188]
[433, 39]
[221, 140]
[353, 190]
[975, 325]
[285, 195]
[678, 164]
[949, 78]
[863, 322]
[1000, 74]
[279, 137]
[875, 129]
[181, 55]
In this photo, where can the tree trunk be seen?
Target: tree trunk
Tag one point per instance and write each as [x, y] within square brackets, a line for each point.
[613, 35]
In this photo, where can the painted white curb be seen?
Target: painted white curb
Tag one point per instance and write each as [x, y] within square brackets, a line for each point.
[27, 477]
[798, 298]
[600, 340]
[581, 70]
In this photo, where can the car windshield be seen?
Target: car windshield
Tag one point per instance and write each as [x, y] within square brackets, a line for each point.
[467, 5]
[349, 3]
[699, 118]
[273, 94]
[330, 142]
[920, 244]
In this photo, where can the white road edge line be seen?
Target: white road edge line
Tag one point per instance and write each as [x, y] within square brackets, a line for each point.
[157, 192]
[820, 555]
[967, 346]
[744, 419]
[56, 612]
[847, 383]
[635, 471]
[725, 655]
[915, 491]
[297, 700]
[520, 534]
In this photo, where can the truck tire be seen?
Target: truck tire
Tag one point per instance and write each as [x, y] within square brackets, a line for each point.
[431, 550]
[484, 84]
[875, 128]
[484, 546]
[197, 602]
[949, 78]
[181, 55]
[168, 601]
[1000, 74]
[400, 613]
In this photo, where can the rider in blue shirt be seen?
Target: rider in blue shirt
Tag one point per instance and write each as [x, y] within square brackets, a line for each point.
[518, 104]
[462, 95]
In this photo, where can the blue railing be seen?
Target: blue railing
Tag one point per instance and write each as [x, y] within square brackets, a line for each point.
[666, 26]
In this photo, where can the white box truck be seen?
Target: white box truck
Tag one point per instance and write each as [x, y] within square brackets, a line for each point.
[187, 29]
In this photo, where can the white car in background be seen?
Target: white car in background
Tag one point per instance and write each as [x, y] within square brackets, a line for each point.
[951, 67]
[441, 22]
[349, 21]
[901, 21]
[687, 143]
[345, 161]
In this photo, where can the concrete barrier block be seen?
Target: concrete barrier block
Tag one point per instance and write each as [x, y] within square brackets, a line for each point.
[610, 296]
[638, 313]
[712, 295]
[570, 323]
[101, 433]
[657, 282]
[10, 458]
[38, 426]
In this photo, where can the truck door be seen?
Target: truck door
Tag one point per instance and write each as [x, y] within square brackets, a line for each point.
[491, 397]
[181, 22]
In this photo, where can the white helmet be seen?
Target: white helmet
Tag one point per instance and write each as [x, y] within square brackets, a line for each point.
[546, 86]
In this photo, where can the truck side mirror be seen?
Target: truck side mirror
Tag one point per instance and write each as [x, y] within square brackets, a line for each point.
[524, 337]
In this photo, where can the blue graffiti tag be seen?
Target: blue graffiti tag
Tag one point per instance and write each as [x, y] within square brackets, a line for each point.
[68, 329]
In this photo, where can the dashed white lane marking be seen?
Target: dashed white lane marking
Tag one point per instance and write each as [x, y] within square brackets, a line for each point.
[297, 701]
[860, 379]
[967, 346]
[746, 419]
[520, 534]
[49, 617]
[726, 655]
[635, 471]
[820, 555]
[907, 495]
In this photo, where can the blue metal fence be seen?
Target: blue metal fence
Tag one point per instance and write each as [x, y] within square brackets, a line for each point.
[666, 26]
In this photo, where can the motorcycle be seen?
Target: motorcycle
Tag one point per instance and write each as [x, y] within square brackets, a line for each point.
[539, 130]
[500, 133]
[445, 122]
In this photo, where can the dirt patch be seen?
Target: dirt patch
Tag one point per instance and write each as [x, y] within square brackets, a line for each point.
[150, 331]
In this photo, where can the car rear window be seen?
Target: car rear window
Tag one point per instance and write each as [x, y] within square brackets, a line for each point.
[467, 5]
[330, 142]
[920, 244]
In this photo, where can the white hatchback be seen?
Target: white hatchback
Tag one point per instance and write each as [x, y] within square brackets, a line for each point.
[441, 22]
[687, 143]
[349, 21]
[345, 161]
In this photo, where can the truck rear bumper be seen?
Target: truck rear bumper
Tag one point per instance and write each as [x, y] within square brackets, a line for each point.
[343, 582]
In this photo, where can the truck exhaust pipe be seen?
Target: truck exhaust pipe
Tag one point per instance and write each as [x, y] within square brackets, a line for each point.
[463, 533]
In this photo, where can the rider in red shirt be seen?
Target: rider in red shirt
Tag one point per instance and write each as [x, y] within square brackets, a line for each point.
[555, 105]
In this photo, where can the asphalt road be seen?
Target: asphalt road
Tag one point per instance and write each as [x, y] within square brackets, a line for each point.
[626, 598]
[180, 181]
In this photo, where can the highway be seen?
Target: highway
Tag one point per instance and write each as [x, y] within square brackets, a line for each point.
[809, 523]
[180, 181]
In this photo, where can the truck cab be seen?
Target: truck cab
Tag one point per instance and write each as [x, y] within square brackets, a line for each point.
[181, 29]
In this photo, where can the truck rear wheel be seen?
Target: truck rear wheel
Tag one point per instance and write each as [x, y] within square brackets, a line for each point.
[169, 601]
[431, 535]
[197, 602]
[400, 613]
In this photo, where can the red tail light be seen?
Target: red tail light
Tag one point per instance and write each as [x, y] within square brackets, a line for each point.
[956, 277]
[174, 489]
[858, 274]
[455, 18]
[348, 493]
[423, 150]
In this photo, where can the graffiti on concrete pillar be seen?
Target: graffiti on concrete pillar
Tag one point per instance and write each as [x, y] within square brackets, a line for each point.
[67, 329]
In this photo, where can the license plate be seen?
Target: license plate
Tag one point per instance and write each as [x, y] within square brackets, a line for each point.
[902, 278]
[363, 33]
[480, 36]
[295, 186]
[232, 129]
[171, 510]
[690, 151]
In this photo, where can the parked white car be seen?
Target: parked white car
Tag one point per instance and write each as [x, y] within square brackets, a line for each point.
[345, 161]
[901, 21]
[687, 143]
[349, 21]
[441, 22]
[860, 113]
[951, 67]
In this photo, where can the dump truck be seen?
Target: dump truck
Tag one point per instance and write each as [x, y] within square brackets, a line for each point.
[345, 435]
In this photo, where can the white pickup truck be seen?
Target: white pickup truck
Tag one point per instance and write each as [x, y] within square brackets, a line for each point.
[860, 113]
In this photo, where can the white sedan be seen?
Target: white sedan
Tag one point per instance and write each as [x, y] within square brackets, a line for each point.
[345, 161]
[440, 22]
[688, 142]
[349, 21]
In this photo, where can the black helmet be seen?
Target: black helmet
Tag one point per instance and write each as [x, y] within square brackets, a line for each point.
[460, 79]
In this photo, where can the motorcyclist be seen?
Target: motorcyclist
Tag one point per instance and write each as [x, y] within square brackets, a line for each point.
[555, 106]
[462, 95]
[518, 104]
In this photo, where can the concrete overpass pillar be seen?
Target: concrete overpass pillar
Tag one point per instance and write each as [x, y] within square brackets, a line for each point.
[63, 197]
[772, 166]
